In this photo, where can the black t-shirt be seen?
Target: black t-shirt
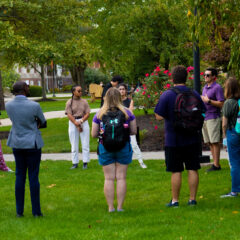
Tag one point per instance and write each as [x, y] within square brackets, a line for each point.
[126, 102]
[109, 85]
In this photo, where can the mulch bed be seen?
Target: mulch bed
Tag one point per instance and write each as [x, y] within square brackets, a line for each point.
[4, 134]
[153, 139]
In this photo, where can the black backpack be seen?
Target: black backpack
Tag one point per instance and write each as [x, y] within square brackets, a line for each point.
[188, 116]
[115, 134]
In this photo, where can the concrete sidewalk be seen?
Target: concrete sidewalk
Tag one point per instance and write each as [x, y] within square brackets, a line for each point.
[146, 156]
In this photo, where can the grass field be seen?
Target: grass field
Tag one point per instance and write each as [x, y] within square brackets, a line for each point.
[75, 208]
[55, 136]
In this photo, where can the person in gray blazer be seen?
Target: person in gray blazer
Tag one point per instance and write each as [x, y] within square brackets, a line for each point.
[26, 141]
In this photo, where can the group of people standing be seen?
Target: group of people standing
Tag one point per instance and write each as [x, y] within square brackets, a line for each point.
[181, 150]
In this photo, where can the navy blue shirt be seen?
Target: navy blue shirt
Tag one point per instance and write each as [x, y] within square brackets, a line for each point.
[165, 108]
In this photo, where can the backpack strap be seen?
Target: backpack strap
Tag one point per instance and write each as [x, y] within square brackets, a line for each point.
[176, 90]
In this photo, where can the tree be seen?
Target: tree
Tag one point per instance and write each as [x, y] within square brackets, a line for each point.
[34, 32]
[217, 28]
[135, 36]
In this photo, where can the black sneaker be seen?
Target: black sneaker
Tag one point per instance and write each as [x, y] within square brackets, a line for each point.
[74, 166]
[192, 202]
[171, 204]
[85, 165]
[214, 168]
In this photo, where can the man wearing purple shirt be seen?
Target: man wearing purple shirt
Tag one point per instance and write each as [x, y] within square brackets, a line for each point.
[180, 148]
[212, 96]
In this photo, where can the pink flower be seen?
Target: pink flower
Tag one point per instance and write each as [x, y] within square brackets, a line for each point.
[190, 68]
[149, 96]
[168, 85]
[156, 74]
[137, 90]
[166, 71]
[169, 74]
[155, 82]
[190, 78]
[147, 74]
[144, 87]
[152, 74]
[202, 73]
[157, 69]
[155, 127]
[143, 93]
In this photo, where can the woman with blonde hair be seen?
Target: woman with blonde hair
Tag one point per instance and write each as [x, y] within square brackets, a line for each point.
[113, 124]
[230, 137]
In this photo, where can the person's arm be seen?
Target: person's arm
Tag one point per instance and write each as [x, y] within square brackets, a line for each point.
[84, 118]
[133, 127]
[73, 120]
[95, 130]
[131, 106]
[224, 126]
[214, 103]
[158, 117]
[41, 121]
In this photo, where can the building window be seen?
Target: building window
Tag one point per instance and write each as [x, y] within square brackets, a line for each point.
[31, 83]
[27, 82]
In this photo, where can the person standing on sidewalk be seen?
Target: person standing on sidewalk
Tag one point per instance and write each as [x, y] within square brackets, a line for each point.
[128, 103]
[78, 111]
[230, 114]
[26, 141]
[181, 148]
[212, 96]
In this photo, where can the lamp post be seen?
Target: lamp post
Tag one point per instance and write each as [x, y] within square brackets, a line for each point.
[197, 87]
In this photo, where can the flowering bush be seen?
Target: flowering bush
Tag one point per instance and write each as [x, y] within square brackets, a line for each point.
[154, 84]
[147, 95]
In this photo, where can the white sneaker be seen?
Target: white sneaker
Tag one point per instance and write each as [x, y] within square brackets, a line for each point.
[142, 165]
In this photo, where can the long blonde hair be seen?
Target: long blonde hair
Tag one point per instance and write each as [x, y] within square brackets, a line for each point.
[112, 101]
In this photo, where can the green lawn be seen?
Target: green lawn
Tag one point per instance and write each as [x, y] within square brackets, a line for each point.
[58, 105]
[55, 136]
[74, 206]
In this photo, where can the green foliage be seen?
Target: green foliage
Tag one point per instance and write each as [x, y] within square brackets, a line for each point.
[9, 77]
[135, 37]
[66, 88]
[35, 91]
[92, 75]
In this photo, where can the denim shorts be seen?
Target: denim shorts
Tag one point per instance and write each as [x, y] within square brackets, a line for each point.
[124, 156]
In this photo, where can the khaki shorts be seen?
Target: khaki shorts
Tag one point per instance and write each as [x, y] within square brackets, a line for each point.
[211, 130]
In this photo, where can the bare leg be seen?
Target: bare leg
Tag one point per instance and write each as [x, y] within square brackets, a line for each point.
[193, 181]
[215, 150]
[110, 175]
[176, 181]
[121, 172]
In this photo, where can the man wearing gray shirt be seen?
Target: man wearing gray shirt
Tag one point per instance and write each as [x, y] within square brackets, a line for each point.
[26, 141]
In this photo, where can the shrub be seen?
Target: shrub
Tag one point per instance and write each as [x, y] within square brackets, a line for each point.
[56, 90]
[92, 75]
[66, 88]
[35, 91]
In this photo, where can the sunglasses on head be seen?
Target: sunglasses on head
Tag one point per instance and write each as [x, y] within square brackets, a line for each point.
[207, 75]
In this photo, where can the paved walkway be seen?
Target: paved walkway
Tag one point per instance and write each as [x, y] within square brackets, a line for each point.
[67, 156]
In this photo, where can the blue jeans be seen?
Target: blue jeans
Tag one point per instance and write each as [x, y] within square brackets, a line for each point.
[233, 144]
[27, 160]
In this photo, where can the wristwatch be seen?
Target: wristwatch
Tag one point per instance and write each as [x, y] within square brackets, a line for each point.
[209, 101]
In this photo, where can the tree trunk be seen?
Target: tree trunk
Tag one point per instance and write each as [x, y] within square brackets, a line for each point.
[77, 73]
[2, 104]
[44, 97]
